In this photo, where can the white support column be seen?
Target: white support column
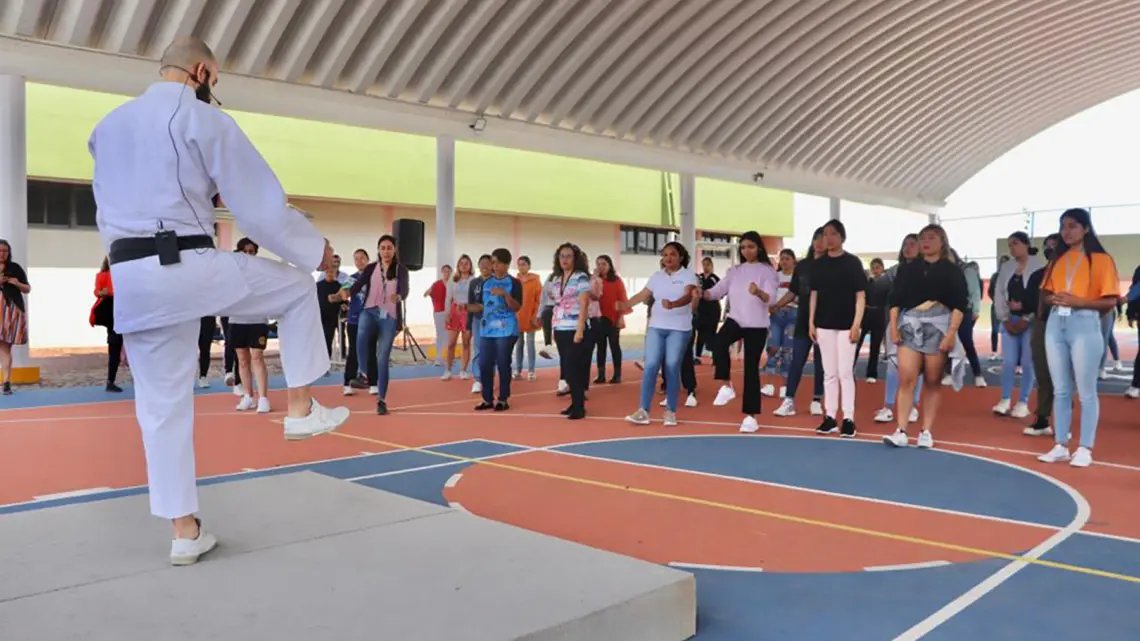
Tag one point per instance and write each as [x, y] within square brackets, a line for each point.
[14, 196]
[688, 212]
[836, 206]
[445, 201]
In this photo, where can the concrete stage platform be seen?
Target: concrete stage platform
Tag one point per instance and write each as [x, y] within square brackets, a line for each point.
[307, 557]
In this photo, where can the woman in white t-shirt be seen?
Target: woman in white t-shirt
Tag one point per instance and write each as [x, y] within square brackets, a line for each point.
[673, 290]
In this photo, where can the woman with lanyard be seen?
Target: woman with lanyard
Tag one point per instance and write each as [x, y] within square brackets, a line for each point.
[1081, 284]
[572, 295]
[751, 287]
[384, 285]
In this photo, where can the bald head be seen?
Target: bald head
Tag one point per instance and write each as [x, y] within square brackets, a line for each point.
[187, 52]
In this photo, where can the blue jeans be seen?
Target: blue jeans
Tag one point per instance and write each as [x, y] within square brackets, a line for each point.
[892, 387]
[1107, 324]
[1016, 350]
[495, 355]
[663, 347]
[383, 330]
[528, 338]
[476, 327]
[801, 347]
[1073, 347]
[781, 337]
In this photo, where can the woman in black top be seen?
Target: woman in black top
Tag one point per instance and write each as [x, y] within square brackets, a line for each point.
[928, 303]
[708, 311]
[838, 298]
[13, 319]
[799, 289]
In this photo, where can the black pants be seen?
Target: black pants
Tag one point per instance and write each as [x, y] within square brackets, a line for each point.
[966, 336]
[705, 331]
[575, 358]
[114, 355]
[606, 333]
[874, 326]
[754, 339]
[351, 364]
[547, 322]
[329, 327]
[205, 342]
[995, 330]
[229, 359]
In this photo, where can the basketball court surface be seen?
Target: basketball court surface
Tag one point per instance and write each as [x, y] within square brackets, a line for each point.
[790, 535]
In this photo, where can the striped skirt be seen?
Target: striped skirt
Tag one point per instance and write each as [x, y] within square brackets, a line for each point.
[13, 324]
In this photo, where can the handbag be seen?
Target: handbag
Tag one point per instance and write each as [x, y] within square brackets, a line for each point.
[105, 312]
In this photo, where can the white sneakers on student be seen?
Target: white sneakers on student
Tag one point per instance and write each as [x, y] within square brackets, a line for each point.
[188, 551]
[320, 420]
[1059, 454]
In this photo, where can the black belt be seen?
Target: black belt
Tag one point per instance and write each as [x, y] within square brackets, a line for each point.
[128, 249]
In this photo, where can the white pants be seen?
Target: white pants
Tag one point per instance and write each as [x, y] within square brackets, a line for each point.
[440, 335]
[838, 354]
[164, 367]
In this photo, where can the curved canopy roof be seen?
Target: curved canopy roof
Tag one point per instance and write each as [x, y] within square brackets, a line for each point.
[894, 102]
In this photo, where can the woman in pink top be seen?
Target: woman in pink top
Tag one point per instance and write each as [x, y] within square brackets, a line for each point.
[750, 287]
[384, 284]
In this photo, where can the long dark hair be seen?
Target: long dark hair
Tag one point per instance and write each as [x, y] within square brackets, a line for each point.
[815, 235]
[612, 274]
[761, 251]
[1091, 242]
[681, 251]
[580, 264]
[914, 237]
[394, 266]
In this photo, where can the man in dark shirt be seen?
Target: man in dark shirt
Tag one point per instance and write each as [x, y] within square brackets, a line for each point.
[1034, 302]
[475, 313]
[329, 297]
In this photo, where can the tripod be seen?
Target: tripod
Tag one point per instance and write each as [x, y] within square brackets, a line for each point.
[409, 341]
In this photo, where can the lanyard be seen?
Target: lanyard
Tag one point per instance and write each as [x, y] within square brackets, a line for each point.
[1071, 268]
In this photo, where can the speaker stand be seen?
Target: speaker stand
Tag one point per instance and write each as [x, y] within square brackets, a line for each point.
[409, 340]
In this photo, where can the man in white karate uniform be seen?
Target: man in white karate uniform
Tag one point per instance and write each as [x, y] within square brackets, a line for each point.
[159, 161]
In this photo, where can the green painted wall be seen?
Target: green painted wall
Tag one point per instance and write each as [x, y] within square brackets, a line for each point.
[322, 160]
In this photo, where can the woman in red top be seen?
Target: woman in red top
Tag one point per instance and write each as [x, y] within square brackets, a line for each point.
[609, 325]
[103, 315]
[438, 294]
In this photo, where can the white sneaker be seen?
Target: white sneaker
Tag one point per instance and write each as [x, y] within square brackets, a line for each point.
[980, 381]
[749, 425]
[463, 375]
[816, 408]
[1081, 458]
[320, 420]
[245, 404]
[1133, 392]
[787, 408]
[872, 381]
[348, 390]
[670, 419]
[239, 390]
[446, 376]
[1002, 408]
[532, 376]
[947, 381]
[203, 382]
[563, 387]
[1058, 454]
[925, 440]
[768, 390]
[691, 401]
[263, 405]
[884, 415]
[640, 417]
[229, 379]
[188, 551]
[476, 387]
[783, 391]
[374, 390]
[724, 396]
[897, 439]
[913, 418]
[664, 403]
[1021, 410]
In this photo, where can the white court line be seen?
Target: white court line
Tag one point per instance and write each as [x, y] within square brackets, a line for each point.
[448, 463]
[906, 566]
[453, 480]
[282, 468]
[457, 506]
[71, 494]
[701, 566]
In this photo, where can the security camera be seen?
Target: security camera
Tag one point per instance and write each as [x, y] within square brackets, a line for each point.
[757, 177]
[479, 125]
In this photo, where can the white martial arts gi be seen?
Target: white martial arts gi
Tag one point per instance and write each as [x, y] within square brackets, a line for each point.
[159, 160]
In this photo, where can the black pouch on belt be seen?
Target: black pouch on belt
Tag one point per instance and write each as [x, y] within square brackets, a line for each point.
[166, 242]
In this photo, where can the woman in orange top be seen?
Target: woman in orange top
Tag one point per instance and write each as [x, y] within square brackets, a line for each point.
[103, 315]
[528, 317]
[1081, 284]
[611, 321]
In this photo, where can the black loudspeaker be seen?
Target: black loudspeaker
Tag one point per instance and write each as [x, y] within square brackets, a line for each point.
[409, 234]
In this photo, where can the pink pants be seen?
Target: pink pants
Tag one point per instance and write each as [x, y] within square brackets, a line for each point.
[838, 371]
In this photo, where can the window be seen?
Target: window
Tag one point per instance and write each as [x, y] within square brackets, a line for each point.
[61, 205]
[729, 243]
[645, 240]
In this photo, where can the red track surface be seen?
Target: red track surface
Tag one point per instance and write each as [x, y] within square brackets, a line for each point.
[56, 449]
